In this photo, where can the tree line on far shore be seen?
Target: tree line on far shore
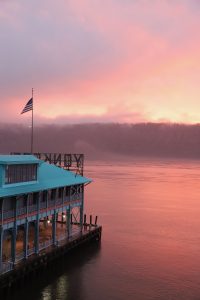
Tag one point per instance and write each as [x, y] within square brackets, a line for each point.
[101, 140]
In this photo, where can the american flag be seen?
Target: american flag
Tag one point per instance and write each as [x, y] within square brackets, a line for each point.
[28, 106]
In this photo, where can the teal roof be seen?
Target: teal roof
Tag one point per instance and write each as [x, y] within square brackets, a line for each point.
[49, 177]
[18, 159]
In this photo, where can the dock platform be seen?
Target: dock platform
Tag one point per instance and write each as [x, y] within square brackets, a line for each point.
[36, 262]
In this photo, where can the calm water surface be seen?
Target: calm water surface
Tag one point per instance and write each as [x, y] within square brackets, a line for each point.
[150, 249]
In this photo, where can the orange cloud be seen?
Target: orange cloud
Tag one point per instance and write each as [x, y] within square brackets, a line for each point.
[94, 60]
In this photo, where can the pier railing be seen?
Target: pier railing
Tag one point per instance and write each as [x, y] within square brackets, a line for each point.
[45, 244]
[32, 209]
[19, 256]
[77, 232]
[31, 251]
[6, 267]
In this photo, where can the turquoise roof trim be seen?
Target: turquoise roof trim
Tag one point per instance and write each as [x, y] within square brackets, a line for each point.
[18, 159]
[49, 177]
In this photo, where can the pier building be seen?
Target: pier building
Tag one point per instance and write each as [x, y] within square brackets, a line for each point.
[40, 205]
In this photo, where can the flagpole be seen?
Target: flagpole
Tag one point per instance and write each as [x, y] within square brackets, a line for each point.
[32, 126]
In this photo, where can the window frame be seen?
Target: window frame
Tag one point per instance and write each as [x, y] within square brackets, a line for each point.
[19, 173]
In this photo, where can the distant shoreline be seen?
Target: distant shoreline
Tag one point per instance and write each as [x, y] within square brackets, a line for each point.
[107, 141]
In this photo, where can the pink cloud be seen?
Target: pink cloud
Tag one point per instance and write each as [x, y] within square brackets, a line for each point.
[93, 57]
[114, 117]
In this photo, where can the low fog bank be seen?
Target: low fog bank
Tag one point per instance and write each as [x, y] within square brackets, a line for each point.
[101, 141]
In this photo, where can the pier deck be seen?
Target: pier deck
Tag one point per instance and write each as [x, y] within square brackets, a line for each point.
[35, 262]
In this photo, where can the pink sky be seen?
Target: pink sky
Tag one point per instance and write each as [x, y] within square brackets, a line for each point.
[100, 60]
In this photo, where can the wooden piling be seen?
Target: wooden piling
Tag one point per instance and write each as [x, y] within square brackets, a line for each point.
[71, 219]
[85, 220]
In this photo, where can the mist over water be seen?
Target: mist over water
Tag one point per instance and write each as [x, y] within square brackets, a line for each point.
[150, 245]
[103, 141]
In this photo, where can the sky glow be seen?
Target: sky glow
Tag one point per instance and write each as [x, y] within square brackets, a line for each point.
[100, 60]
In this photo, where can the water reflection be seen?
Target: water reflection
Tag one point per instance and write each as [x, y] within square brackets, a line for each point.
[57, 290]
[62, 280]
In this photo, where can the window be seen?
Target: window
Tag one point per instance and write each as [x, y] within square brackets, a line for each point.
[20, 173]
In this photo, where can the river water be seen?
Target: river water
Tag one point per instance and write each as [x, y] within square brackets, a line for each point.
[150, 248]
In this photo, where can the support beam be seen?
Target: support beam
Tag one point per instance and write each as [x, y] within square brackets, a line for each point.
[14, 233]
[36, 242]
[68, 222]
[27, 204]
[68, 215]
[26, 230]
[13, 244]
[1, 233]
[82, 207]
[63, 194]
[1, 247]
[37, 223]
[1, 203]
[47, 198]
[54, 228]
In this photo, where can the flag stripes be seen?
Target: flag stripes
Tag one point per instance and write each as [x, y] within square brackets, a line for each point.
[28, 106]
